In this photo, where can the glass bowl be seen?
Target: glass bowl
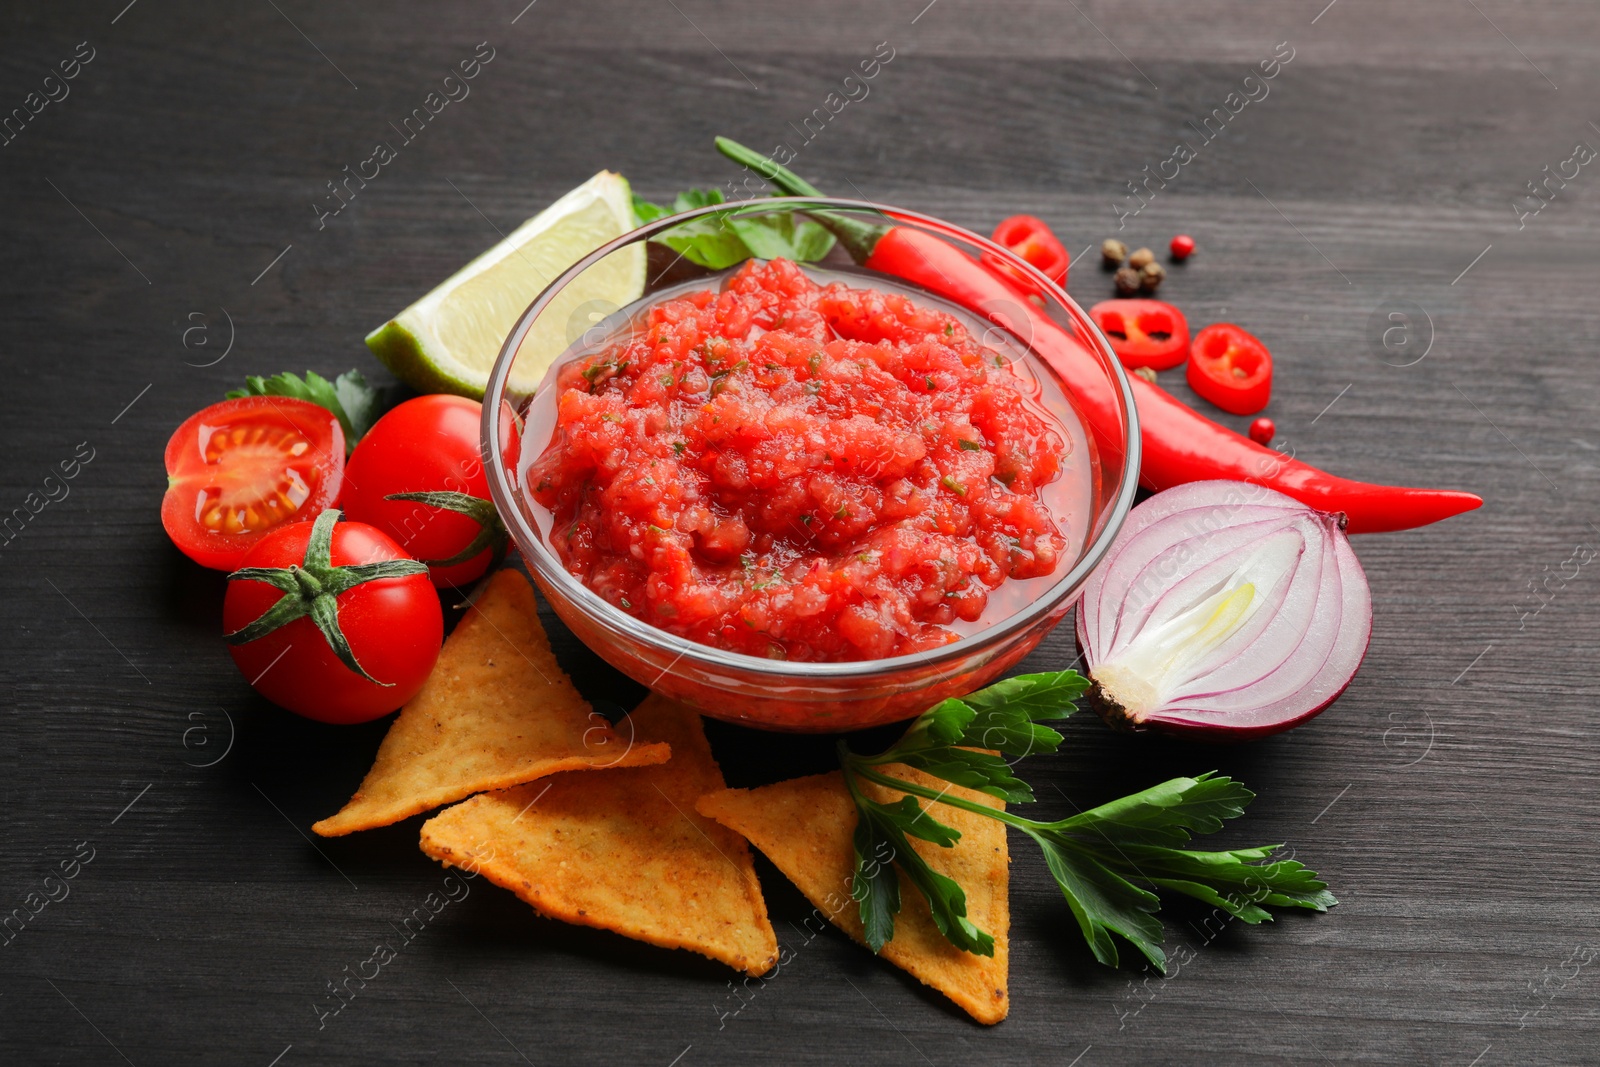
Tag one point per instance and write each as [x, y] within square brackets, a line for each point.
[566, 322]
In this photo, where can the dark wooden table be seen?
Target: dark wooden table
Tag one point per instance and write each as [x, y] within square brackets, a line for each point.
[161, 241]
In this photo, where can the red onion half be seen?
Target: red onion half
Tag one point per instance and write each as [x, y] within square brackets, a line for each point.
[1224, 611]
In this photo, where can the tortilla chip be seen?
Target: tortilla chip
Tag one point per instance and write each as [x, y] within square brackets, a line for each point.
[495, 712]
[805, 825]
[623, 851]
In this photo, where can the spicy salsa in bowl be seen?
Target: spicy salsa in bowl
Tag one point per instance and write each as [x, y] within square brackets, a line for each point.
[806, 498]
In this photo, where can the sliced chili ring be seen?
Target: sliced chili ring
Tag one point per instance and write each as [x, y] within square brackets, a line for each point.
[1230, 368]
[1032, 240]
[1144, 333]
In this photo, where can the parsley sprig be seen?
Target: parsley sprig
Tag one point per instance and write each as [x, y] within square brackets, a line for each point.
[1111, 862]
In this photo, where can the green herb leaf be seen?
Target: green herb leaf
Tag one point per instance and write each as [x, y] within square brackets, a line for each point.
[1110, 860]
[782, 236]
[356, 404]
[1105, 903]
[875, 885]
[363, 405]
[1166, 814]
[1005, 713]
[644, 211]
[982, 771]
[706, 242]
[1111, 863]
[881, 846]
[721, 241]
[1051, 696]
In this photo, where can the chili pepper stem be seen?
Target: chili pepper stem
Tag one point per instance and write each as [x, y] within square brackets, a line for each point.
[858, 238]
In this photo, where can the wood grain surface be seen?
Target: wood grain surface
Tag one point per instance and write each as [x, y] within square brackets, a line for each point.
[160, 242]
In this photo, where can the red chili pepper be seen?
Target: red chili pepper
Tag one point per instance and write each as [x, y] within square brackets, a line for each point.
[1230, 368]
[1031, 239]
[1144, 333]
[1180, 444]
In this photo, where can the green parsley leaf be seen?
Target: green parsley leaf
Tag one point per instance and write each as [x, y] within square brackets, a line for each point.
[356, 404]
[875, 884]
[1111, 863]
[881, 846]
[1007, 711]
[976, 770]
[1167, 814]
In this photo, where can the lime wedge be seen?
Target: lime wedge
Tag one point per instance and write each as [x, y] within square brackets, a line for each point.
[447, 341]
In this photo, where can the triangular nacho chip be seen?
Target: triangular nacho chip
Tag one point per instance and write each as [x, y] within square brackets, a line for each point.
[495, 712]
[623, 851]
[804, 827]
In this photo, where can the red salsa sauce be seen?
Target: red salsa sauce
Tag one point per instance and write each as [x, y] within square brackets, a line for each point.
[794, 470]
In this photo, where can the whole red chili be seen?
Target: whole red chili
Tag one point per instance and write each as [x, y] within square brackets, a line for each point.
[1032, 240]
[1262, 431]
[1230, 368]
[1179, 444]
[1144, 333]
[1182, 247]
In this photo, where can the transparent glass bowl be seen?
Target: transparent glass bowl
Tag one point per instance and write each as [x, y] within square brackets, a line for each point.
[783, 694]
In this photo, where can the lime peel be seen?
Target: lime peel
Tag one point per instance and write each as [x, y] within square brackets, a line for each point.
[448, 341]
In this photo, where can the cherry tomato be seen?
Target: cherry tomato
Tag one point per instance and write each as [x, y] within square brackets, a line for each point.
[1182, 247]
[1144, 333]
[392, 626]
[429, 445]
[1262, 431]
[244, 467]
[1031, 239]
[1230, 368]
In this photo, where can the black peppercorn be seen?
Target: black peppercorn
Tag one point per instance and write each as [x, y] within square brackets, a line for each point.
[1151, 276]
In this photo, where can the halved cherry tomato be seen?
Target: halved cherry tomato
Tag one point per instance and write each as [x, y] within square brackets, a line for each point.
[1230, 368]
[1144, 333]
[427, 451]
[244, 467]
[332, 620]
[1031, 239]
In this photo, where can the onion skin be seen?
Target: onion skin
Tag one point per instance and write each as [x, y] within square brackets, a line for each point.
[1106, 706]
[1147, 678]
